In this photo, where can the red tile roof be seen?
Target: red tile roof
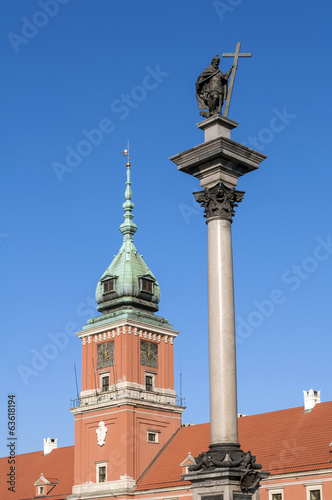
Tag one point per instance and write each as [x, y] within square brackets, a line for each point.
[283, 441]
[57, 464]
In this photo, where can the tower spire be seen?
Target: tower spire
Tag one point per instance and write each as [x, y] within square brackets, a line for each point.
[128, 228]
[128, 282]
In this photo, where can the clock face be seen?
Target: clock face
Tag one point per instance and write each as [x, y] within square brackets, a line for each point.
[149, 354]
[105, 355]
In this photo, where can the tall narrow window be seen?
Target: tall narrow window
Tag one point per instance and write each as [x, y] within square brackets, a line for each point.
[315, 495]
[105, 383]
[149, 383]
[41, 490]
[102, 474]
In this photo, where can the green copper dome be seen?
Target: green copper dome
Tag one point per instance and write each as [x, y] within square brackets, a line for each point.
[127, 282]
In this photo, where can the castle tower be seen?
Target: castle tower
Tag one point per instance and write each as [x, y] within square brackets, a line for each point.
[127, 407]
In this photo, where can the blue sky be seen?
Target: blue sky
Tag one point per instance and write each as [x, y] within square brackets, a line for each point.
[128, 69]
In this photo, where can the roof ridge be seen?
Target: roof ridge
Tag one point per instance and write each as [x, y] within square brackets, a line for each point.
[158, 454]
[289, 409]
[303, 465]
[41, 452]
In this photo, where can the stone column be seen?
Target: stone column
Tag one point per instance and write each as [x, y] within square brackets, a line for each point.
[224, 471]
[219, 202]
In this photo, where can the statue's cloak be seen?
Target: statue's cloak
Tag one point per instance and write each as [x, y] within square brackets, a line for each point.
[203, 80]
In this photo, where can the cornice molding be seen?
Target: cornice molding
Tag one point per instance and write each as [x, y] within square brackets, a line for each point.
[297, 474]
[219, 146]
[143, 330]
[116, 332]
[129, 404]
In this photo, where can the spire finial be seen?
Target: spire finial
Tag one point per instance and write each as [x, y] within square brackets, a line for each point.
[126, 153]
[128, 228]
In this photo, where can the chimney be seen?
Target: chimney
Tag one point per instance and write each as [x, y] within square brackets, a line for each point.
[49, 445]
[311, 398]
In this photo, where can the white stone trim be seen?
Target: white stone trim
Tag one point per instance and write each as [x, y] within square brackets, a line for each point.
[41, 478]
[101, 432]
[279, 491]
[159, 492]
[313, 487]
[154, 433]
[98, 466]
[305, 474]
[188, 457]
[115, 398]
[125, 483]
[153, 376]
[141, 328]
[110, 334]
[113, 414]
[101, 376]
[126, 386]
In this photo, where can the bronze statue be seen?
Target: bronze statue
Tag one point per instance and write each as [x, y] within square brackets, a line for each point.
[211, 88]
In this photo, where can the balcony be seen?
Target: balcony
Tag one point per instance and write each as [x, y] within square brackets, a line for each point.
[113, 396]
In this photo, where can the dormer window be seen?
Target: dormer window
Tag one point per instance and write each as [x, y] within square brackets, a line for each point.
[186, 463]
[109, 285]
[43, 485]
[146, 285]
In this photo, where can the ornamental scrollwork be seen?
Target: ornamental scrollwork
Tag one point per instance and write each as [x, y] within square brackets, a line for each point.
[219, 201]
[226, 458]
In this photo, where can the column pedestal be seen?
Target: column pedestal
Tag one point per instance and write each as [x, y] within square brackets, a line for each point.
[217, 126]
[220, 485]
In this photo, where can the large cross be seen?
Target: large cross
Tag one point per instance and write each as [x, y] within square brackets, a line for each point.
[231, 83]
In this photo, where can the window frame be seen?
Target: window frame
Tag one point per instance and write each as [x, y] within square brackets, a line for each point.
[100, 465]
[314, 487]
[152, 432]
[150, 376]
[41, 490]
[276, 492]
[106, 283]
[150, 284]
[104, 376]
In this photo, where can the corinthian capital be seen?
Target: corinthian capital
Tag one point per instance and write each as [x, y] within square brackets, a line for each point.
[219, 201]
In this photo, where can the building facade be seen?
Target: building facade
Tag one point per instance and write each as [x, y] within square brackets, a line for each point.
[129, 441]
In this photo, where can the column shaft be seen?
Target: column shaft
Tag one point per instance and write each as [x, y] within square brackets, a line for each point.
[222, 348]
